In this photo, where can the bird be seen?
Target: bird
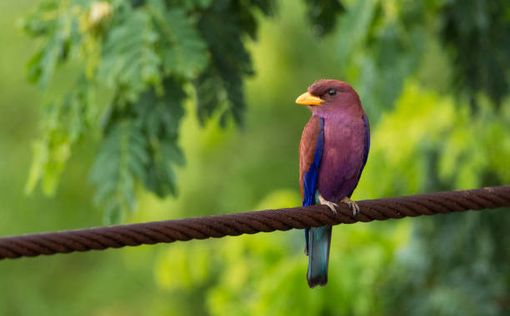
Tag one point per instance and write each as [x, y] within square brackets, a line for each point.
[332, 154]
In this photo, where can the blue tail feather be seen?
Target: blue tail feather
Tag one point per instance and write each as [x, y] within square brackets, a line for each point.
[318, 240]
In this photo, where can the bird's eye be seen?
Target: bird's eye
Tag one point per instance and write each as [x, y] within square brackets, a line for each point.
[332, 92]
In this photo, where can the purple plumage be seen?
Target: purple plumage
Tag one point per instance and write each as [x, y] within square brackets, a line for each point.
[333, 151]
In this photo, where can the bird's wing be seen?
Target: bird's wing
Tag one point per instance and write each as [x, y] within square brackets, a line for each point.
[367, 142]
[366, 147]
[310, 154]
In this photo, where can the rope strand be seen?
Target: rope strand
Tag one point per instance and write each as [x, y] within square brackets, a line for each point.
[249, 223]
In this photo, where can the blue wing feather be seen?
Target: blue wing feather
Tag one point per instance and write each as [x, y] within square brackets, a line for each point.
[311, 176]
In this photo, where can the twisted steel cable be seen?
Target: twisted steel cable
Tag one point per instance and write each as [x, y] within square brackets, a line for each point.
[249, 223]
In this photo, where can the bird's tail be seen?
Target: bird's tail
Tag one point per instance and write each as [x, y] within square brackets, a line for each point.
[318, 240]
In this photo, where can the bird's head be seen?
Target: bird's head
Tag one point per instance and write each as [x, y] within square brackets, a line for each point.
[330, 96]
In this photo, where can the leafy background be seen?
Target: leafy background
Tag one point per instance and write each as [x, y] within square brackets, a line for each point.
[167, 109]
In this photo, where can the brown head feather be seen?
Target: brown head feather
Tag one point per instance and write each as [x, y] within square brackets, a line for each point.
[320, 87]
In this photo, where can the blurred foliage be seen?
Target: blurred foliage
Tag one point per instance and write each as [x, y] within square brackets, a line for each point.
[124, 89]
[478, 32]
[141, 52]
[453, 264]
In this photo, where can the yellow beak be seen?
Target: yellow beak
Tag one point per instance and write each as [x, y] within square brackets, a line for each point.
[308, 99]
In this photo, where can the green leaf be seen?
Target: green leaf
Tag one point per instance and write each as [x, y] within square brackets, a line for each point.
[41, 21]
[130, 63]
[160, 114]
[220, 90]
[159, 118]
[64, 123]
[160, 177]
[57, 23]
[208, 89]
[119, 164]
[182, 49]
[230, 63]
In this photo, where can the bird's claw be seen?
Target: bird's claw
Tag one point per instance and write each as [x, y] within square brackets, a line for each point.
[352, 205]
[332, 206]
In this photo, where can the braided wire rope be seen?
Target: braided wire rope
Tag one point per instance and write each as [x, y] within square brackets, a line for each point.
[217, 226]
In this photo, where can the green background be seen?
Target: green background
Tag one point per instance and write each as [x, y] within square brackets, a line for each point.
[424, 138]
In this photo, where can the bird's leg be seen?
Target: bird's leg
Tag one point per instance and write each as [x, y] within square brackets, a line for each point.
[332, 206]
[353, 205]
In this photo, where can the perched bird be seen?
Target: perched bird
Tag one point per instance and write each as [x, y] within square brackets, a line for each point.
[332, 153]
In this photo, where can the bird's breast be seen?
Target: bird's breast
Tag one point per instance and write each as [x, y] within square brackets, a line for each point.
[342, 158]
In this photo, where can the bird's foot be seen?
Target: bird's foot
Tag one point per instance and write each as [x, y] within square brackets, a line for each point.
[352, 205]
[332, 206]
